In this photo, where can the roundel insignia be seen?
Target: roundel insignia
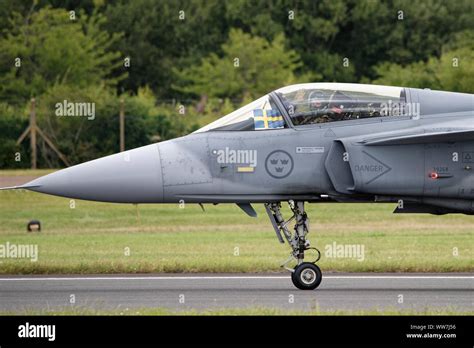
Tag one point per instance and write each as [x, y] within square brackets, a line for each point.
[279, 164]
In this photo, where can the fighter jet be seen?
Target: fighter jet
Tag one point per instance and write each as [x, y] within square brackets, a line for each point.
[305, 143]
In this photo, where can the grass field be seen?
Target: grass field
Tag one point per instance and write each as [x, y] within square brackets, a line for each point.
[254, 311]
[114, 238]
[22, 172]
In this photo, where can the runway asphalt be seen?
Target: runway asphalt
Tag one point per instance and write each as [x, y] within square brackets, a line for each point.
[207, 291]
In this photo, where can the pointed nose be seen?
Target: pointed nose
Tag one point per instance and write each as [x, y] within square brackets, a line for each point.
[128, 177]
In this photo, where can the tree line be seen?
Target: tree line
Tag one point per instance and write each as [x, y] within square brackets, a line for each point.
[181, 64]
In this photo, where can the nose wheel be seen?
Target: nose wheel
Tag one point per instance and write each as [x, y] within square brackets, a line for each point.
[306, 275]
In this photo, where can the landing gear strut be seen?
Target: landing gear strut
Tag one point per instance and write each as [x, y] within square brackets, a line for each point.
[305, 275]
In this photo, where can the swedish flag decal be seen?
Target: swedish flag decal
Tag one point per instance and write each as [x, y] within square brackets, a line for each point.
[267, 119]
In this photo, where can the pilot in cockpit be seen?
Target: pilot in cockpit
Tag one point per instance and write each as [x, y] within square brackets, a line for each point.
[318, 105]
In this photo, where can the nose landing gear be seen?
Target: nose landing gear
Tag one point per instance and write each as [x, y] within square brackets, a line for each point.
[305, 275]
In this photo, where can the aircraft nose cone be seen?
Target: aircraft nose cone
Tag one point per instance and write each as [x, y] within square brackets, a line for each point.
[128, 177]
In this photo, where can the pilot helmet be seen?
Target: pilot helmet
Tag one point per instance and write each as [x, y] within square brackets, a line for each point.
[317, 100]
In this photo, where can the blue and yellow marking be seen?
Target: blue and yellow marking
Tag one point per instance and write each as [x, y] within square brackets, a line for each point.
[246, 169]
[267, 119]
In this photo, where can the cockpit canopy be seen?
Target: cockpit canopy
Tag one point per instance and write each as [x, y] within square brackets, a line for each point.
[328, 102]
[262, 113]
[313, 103]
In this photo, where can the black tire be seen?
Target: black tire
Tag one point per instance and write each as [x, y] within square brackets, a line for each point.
[306, 276]
[295, 282]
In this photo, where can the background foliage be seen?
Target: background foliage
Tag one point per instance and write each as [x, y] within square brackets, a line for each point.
[183, 70]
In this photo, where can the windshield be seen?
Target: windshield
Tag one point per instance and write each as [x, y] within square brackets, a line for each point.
[261, 114]
[328, 102]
